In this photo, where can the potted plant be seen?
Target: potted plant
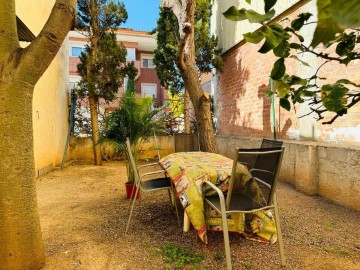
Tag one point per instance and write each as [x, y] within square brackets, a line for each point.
[136, 119]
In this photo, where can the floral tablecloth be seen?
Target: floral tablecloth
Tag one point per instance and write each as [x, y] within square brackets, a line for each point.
[189, 170]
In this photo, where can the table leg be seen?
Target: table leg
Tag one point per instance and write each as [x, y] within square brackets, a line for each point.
[186, 223]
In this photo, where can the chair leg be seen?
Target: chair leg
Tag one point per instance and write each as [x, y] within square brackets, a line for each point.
[131, 197]
[132, 208]
[226, 237]
[174, 203]
[278, 230]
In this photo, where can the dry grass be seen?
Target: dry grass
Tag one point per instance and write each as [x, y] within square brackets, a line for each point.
[83, 214]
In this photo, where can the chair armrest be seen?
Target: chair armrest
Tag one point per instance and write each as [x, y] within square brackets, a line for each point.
[151, 173]
[258, 179]
[262, 182]
[147, 165]
[220, 194]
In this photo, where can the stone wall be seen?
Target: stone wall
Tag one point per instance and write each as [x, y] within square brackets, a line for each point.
[328, 170]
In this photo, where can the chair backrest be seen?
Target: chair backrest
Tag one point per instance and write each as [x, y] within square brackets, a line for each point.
[266, 143]
[186, 142]
[264, 164]
[131, 160]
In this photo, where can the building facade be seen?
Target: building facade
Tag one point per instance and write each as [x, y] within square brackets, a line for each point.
[50, 100]
[140, 47]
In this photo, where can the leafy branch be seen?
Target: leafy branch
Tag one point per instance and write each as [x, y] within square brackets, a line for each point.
[337, 29]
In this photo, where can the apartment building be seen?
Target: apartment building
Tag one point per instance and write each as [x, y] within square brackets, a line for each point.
[140, 46]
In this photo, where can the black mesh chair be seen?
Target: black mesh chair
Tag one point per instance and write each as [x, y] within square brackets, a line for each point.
[146, 183]
[266, 143]
[186, 142]
[264, 165]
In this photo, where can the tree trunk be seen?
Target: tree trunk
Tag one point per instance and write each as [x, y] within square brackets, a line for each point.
[187, 112]
[21, 245]
[94, 39]
[95, 129]
[20, 235]
[184, 11]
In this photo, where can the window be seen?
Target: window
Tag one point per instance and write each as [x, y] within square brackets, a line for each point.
[130, 56]
[76, 51]
[126, 80]
[147, 61]
[148, 89]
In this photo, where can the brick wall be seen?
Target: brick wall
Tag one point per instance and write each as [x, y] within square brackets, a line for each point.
[73, 61]
[242, 109]
[149, 75]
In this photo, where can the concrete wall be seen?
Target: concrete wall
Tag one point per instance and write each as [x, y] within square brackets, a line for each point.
[82, 148]
[330, 171]
[50, 101]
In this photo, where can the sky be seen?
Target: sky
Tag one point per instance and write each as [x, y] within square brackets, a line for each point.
[142, 14]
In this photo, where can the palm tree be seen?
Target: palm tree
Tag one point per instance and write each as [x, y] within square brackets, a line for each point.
[135, 119]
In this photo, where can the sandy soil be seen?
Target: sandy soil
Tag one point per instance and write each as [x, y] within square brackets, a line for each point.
[83, 212]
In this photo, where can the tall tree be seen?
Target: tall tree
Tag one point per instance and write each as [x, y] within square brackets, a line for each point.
[102, 64]
[21, 245]
[337, 28]
[186, 51]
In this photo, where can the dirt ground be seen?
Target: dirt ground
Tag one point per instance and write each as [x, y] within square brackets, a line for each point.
[83, 213]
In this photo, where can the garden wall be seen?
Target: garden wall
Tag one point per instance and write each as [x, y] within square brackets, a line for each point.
[81, 148]
[328, 170]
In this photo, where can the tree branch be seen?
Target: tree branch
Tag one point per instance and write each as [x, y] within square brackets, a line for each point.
[39, 54]
[9, 41]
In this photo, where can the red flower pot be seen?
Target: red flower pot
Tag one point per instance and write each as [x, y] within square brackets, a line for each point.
[129, 189]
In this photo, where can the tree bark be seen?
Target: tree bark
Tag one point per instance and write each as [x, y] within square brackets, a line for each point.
[21, 245]
[94, 39]
[187, 112]
[95, 129]
[184, 11]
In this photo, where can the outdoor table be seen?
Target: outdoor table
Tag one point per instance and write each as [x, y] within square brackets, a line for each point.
[189, 170]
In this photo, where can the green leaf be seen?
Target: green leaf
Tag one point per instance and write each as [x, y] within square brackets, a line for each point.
[327, 27]
[254, 37]
[297, 58]
[333, 97]
[345, 81]
[345, 12]
[266, 47]
[344, 47]
[274, 34]
[235, 14]
[282, 88]
[284, 103]
[296, 46]
[248, 1]
[255, 17]
[269, 4]
[283, 49]
[295, 80]
[309, 93]
[278, 70]
[299, 22]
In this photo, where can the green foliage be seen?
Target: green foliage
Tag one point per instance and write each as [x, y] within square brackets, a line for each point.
[335, 250]
[168, 37]
[106, 58]
[181, 258]
[235, 14]
[333, 17]
[135, 119]
[110, 14]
